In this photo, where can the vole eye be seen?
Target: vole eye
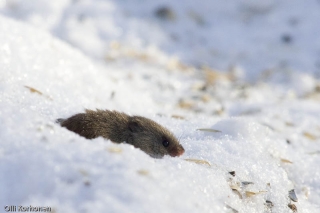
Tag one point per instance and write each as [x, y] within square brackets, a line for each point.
[165, 143]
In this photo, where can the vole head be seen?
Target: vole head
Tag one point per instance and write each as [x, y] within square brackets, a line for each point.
[152, 138]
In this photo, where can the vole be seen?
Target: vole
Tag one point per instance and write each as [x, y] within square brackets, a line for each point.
[119, 127]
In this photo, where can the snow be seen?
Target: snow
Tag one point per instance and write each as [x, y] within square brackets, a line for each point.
[242, 76]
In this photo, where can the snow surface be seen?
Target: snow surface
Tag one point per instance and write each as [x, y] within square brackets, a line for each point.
[248, 69]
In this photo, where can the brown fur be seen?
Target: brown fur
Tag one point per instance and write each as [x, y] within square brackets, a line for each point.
[119, 127]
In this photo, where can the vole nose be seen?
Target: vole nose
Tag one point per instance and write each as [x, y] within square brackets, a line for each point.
[176, 151]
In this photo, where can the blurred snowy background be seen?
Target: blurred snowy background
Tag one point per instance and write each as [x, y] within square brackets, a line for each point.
[246, 68]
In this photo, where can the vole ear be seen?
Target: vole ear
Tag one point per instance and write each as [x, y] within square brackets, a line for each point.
[134, 126]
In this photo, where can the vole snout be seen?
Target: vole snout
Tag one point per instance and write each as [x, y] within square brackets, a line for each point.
[176, 151]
